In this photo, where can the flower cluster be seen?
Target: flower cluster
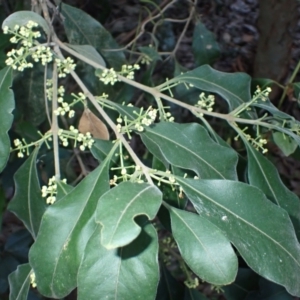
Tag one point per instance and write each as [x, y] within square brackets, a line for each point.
[262, 94]
[143, 119]
[85, 140]
[50, 191]
[64, 107]
[25, 35]
[32, 279]
[258, 143]
[109, 76]
[65, 66]
[206, 103]
[21, 147]
[128, 70]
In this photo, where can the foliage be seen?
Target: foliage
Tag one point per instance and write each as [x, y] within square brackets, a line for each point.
[191, 200]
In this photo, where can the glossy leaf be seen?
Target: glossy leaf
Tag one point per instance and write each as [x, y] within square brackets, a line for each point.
[126, 273]
[21, 18]
[118, 207]
[7, 105]
[234, 88]
[65, 229]
[101, 149]
[89, 52]
[19, 282]
[28, 204]
[189, 146]
[205, 47]
[264, 175]
[286, 144]
[199, 242]
[260, 230]
[30, 96]
[82, 29]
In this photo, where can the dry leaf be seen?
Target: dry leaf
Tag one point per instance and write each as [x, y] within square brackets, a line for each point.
[89, 122]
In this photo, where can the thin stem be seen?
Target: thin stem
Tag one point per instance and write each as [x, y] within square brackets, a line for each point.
[54, 127]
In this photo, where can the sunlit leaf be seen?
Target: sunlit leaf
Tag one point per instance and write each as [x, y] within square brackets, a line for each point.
[65, 229]
[118, 207]
[82, 29]
[260, 230]
[27, 203]
[21, 18]
[205, 47]
[126, 273]
[7, 105]
[263, 174]
[199, 242]
[19, 282]
[189, 146]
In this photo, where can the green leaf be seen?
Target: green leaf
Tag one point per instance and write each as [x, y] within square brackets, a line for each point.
[19, 282]
[7, 104]
[285, 143]
[30, 96]
[118, 207]
[264, 175]
[89, 52]
[199, 242]
[82, 29]
[234, 88]
[126, 273]
[65, 229]
[205, 47]
[21, 18]
[27, 203]
[189, 146]
[260, 230]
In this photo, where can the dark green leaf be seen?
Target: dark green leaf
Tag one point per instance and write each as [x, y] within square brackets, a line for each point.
[89, 52]
[286, 144]
[30, 95]
[192, 294]
[65, 229]
[19, 282]
[27, 203]
[169, 288]
[21, 18]
[189, 146]
[7, 104]
[205, 47]
[118, 207]
[126, 273]
[101, 149]
[264, 175]
[234, 88]
[269, 291]
[260, 230]
[199, 242]
[82, 29]
[246, 281]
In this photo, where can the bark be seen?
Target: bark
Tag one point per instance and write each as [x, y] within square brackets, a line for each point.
[276, 23]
